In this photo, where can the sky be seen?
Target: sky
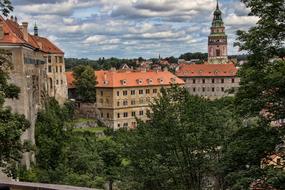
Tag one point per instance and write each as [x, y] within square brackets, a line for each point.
[131, 28]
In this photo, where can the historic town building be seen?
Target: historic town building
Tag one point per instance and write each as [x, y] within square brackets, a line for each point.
[122, 96]
[217, 40]
[29, 55]
[209, 80]
[54, 67]
[217, 77]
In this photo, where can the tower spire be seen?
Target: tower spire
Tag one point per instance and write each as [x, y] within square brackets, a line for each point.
[218, 5]
[36, 30]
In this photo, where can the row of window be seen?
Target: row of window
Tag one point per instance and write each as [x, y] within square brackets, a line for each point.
[133, 92]
[133, 114]
[58, 59]
[208, 89]
[194, 81]
[127, 102]
[28, 60]
[134, 102]
[56, 70]
[126, 125]
[57, 83]
[124, 115]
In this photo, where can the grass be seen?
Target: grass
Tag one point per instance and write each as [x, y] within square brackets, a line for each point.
[82, 120]
[92, 130]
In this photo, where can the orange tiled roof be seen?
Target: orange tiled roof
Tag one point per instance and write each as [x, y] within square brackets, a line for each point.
[116, 79]
[14, 35]
[206, 70]
[47, 46]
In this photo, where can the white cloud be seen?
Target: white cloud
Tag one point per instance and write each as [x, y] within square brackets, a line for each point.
[234, 20]
[129, 28]
[101, 40]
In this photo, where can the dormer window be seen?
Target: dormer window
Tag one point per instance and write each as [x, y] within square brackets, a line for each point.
[173, 80]
[160, 80]
[149, 81]
[106, 82]
[139, 81]
[123, 82]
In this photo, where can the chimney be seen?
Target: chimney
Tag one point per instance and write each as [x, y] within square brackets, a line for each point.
[105, 76]
[16, 19]
[25, 31]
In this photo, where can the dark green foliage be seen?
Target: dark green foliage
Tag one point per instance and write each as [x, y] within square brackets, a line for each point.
[197, 55]
[261, 95]
[66, 156]
[12, 125]
[50, 135]
[109, 152]
[101, 63]
[85, 83]
[6, 7]
[178, 147]
[262, 82]
[243, 154]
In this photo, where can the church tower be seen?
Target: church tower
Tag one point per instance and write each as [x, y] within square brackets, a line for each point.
[217, 41]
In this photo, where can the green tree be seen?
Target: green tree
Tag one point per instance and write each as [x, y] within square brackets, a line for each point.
[6, 7]
[263, 79]
[178, 148]
[85, 83]
[261, 96]
[243, 153]
[12, 125]
[197, 55]
[109, 152]
[51, 138]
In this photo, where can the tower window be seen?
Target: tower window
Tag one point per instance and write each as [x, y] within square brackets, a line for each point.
[218, 52]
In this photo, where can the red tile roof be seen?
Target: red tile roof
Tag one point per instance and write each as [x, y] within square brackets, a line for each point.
[14, 35]
[116, 79]
[47, 46]
[207, 70]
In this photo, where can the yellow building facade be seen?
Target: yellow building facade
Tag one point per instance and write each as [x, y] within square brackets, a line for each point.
[125, 96]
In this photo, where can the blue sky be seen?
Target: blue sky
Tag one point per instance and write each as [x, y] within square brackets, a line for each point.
[130, 28]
